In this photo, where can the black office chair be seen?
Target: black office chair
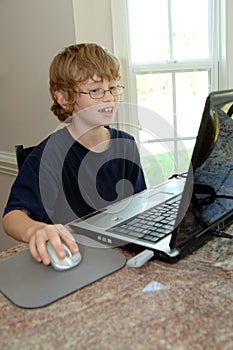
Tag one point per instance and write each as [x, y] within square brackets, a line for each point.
[22, 153]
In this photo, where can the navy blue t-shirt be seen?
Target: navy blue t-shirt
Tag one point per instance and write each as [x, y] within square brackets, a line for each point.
[62, 180]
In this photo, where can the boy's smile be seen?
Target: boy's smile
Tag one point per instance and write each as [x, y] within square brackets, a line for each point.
[107, 111]
[96, 115]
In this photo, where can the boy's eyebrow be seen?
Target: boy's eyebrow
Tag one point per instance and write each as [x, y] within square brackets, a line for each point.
[94, 82]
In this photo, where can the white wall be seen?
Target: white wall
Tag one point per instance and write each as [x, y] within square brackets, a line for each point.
[94, 22]
[31, 33]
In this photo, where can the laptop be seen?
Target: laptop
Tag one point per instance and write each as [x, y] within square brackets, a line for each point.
[178, 216]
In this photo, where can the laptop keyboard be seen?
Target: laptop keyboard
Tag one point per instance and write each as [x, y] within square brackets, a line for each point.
[152, 224]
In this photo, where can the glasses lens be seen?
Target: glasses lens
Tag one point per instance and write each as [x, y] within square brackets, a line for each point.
[117, 90]
[97, 93]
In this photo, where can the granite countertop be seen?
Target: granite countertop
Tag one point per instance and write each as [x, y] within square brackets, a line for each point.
[160, 306]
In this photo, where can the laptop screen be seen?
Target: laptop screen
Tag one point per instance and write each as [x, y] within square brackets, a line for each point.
[209, 186]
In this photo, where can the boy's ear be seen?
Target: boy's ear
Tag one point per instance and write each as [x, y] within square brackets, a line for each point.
[60, 98]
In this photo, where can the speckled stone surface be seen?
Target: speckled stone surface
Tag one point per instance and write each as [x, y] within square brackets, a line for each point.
[182, 306]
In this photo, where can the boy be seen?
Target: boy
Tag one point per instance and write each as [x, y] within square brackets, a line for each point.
[81, 167]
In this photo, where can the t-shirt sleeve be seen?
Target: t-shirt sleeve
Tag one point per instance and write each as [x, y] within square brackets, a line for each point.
[25, 192]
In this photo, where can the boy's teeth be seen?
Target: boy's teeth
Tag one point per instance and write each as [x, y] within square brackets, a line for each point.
[107, 109]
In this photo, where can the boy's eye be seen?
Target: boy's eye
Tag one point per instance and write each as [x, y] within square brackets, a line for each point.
[113, 88]
[96, 90]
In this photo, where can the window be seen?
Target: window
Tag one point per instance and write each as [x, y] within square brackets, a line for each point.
[170, 56]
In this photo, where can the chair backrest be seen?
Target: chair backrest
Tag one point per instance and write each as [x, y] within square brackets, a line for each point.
[22, 153]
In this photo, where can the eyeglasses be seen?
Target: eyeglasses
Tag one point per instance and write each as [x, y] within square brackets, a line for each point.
[100, 93]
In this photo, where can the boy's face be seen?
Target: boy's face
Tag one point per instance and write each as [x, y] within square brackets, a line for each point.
[99, 110]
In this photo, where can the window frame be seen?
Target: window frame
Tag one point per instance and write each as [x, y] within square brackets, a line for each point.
[121, 47]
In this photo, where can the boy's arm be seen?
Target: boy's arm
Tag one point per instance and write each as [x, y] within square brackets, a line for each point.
[21, 227]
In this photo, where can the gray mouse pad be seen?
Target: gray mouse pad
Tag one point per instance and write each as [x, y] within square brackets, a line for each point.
[29, 284]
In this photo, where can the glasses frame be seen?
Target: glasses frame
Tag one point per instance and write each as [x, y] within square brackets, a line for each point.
[121, 87]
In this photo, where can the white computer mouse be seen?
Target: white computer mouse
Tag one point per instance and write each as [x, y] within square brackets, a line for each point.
[70, 261]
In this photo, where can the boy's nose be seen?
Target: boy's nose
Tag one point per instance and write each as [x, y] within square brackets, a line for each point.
[108, 96]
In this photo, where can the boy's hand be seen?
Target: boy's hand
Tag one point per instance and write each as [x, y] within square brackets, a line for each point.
[42, 233]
